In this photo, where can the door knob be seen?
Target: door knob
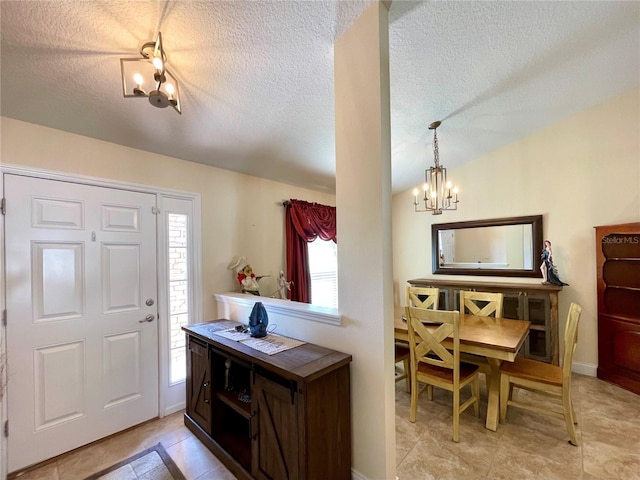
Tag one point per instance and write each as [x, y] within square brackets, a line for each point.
[148, 318]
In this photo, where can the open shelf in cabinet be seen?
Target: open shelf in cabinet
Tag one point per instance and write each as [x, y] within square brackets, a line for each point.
[232, 431]
[231, 379]
[230, 399]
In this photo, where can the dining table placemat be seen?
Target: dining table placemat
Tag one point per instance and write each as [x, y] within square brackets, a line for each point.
[271, 344]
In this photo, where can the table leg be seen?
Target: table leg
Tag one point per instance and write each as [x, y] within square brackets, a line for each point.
[493, 403]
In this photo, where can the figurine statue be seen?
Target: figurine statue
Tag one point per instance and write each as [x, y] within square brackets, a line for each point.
[548, 269]
[283, 285]
[246, 278]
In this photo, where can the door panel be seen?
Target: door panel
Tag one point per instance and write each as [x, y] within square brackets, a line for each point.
[118, 218]
[199, 385]
[58, 281]
[59, 383]
[122, 381]
[53, 213]
[120, 282]
[275, 447]
[82, 360]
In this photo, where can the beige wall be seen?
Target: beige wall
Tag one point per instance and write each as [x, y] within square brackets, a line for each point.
[241, 214]
[581, 172]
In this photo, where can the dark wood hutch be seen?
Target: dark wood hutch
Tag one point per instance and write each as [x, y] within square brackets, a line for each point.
[618, 286]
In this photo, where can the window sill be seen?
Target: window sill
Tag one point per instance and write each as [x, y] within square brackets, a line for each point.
[302, 311]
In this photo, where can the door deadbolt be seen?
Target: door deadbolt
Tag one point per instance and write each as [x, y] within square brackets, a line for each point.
[149, 302]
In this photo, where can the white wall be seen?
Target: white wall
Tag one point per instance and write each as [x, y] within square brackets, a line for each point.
[581, 172]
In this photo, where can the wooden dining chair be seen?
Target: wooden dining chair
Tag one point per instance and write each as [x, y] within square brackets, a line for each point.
[544, 378]
[486, 304]
[424, 297]
[416, 297]
[432, 364]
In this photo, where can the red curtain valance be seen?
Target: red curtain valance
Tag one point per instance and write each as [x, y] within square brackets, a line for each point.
[312, 220]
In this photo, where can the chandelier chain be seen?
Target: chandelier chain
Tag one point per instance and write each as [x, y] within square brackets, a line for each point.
[436, 154]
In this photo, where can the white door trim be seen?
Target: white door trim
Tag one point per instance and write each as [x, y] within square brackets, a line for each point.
[4, 460]
[96, 181]
[168, 403]
[195, 266]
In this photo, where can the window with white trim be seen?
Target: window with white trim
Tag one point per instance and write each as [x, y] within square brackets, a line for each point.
[178, 257]
[323, 267]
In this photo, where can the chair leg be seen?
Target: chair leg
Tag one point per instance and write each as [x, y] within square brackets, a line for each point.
[569, 418]
[407, 373]
[430, 393]
[475, 387]
[456, 415]
[414, 400]
[506, 389]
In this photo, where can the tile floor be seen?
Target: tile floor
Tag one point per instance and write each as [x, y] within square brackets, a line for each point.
[195, 461]
[528, 447]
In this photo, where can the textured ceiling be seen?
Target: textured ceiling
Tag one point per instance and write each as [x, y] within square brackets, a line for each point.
[256, 77]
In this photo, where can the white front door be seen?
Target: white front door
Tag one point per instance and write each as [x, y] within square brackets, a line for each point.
[82, 334]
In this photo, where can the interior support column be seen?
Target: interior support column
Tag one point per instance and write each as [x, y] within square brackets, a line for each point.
[363, 199]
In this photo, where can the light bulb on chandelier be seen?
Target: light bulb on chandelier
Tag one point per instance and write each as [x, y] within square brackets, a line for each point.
[152, 70]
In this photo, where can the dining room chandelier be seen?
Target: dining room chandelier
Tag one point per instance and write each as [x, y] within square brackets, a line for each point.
[438, 193]
[151, 72]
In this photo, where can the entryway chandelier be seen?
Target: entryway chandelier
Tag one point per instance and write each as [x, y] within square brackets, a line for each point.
[151, 71]
[437, 190]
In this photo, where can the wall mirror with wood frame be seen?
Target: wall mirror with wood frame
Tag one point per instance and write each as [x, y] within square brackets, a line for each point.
[501, 247]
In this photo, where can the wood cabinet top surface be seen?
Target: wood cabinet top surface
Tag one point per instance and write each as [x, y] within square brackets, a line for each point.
[479, 285]
[303, 363]
[622, 227]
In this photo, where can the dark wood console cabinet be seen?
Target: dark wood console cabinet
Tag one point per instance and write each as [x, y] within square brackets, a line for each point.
[535, 303]
[618, 285]
[277, 417]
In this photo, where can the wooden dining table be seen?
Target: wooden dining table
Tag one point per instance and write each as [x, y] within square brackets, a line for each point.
[496, 339]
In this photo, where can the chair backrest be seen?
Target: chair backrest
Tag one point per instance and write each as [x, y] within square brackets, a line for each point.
[424, 297]
[427, 330]
[570, 339]
[481, 303]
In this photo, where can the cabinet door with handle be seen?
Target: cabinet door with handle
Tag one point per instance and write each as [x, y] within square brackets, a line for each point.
[275, 440]
[199, 384]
